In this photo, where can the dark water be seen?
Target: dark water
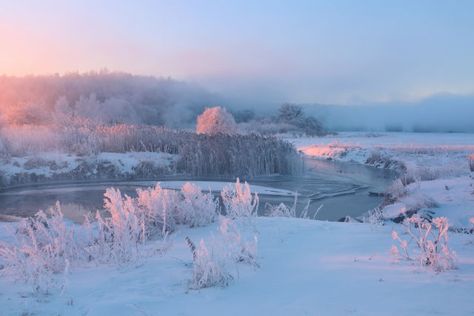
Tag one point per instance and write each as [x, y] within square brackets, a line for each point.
[342, 189]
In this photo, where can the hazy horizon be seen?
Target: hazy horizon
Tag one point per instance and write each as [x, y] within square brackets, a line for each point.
[337, 52]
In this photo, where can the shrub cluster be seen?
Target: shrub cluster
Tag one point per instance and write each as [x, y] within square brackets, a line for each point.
[46, 246]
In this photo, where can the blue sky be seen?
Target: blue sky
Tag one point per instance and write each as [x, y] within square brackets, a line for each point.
[303, 51]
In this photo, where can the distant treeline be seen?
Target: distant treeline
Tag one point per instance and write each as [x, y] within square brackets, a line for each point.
[100, 97]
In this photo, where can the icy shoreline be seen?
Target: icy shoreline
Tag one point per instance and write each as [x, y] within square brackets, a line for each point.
[51, 167]
[433, 167]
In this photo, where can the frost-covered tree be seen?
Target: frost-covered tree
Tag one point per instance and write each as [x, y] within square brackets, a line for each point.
[294, 115]
[216, 120]
[290, 113]
[243, 116]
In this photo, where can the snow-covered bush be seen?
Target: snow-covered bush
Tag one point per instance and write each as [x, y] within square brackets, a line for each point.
[283, 210]
[216, 120]
[381, 160]
[280, 210]
[431, 241]
[375, 217]
[214, 262]
[240, 248]
[239, 201]
[395, 191]
[198, 208]
[44, 248]
[209, 268]
[121, 234]
[160, 208]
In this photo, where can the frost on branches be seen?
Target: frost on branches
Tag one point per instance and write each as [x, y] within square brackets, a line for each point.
[239, 200]
[431, 243]
[216, 120]
[214, 262]
[46, 246]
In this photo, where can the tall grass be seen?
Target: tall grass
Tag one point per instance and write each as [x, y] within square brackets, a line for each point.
[199, 155]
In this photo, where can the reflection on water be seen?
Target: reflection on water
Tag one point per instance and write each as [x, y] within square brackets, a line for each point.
[342, 188]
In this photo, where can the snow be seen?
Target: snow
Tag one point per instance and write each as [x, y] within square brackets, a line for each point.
[306, 268]
[394, 210]
[49, 164]
[125, 162]
[454, 198]
[40, 163]
[439, 154]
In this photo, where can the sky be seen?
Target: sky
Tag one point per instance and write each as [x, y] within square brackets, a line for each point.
[333, 52]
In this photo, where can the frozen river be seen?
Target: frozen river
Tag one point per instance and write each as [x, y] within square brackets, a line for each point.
[342, 188]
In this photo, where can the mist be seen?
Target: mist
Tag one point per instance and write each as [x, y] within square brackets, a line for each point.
[438, 113]
[102, 98]
[113, 98]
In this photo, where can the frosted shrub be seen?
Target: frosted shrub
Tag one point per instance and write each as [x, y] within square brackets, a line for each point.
[197, 208]
[44, 247]
[209, 268]
[395, 191]
[375, 217]
[239, 248]
[119, 236]
[280, 210]
[283, 210]
[239, 201]
[161, 209]
[431, 240]
[213, 262]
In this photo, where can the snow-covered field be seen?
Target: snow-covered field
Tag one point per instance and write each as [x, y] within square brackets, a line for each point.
[305, 268]
[424, 154]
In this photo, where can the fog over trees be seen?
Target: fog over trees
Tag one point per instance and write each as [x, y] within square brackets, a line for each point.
[108, 98]
[100, 97]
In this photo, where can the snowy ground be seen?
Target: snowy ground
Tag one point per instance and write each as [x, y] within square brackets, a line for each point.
[306, 268]
[453, 198]
[46, 166]
[429, 155]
